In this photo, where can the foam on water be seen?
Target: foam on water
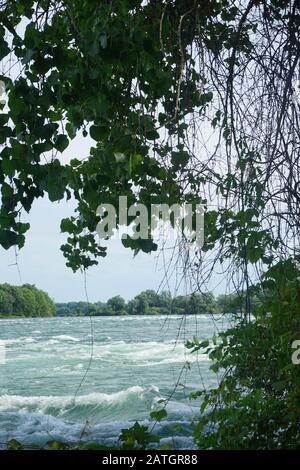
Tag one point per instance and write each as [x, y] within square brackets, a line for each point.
[22, 340]
[36, 429]
[132, 356]
[42, 403]
[66, 338]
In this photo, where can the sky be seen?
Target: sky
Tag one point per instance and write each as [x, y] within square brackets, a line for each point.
[42, 263]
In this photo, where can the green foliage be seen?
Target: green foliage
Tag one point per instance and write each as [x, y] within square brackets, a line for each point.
[124, 72]
[57, 445]
[137, 437]
[159, 415]
[25, 301]
[79, 66]
[125, 77]
[150, 302]
[256, 404]
[13, 444]
[230, 303]
[117, 305]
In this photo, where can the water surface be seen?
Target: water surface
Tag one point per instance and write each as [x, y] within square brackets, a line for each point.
[47, 393]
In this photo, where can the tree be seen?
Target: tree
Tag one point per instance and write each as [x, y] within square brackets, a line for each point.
[230, 303]
[149, 81]
[6, 299]
[140, 304]
[164, 302]
[28, 305]
[117, 305]
[179, 304]
[122, 73]
[201, 303]
[132, 307]
[25, 300]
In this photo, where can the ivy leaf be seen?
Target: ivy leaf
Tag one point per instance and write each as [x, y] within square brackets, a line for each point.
[98, 132]
[61, 142]
[8, 239]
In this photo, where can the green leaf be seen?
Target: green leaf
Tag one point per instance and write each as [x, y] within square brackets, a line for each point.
[61, 142]
[147, 246]
[13, 444]
[159, 415]
[7, 191]
[8, 238]
[56, 192]
[22, 227]
[4, 50]
[71, 130]
[179, 159]
[279, 386]
[98, 132]
[226, 133]
[152, 135]
[57, 445]
[28, 56]
[67, 225]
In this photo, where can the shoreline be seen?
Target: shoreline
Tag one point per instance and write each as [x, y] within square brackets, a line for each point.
[16, 317]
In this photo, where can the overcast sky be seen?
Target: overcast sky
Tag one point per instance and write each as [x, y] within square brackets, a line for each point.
[42, 263]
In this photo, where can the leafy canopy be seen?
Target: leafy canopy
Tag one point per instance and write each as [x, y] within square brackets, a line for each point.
[137, 78]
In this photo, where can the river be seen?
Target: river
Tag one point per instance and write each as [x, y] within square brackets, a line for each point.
[61, 376]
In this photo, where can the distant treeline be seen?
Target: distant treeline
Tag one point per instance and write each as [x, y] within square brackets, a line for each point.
[25, 301]
[150, 302]
[28, 301]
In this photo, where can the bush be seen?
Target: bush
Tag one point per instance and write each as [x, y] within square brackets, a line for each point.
[257, 402]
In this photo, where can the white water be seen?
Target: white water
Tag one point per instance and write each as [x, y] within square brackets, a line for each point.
[136, 361]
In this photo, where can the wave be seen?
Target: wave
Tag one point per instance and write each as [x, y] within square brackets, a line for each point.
[96, 403]
[149, 353]
[175, 360]
[134, 354]
[36, 429]
[65, 338]
[21, 340]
